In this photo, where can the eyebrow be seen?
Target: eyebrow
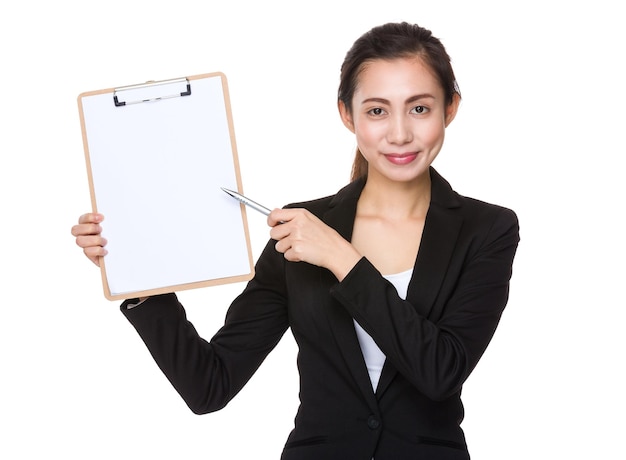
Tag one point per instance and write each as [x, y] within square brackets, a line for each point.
[410, 100]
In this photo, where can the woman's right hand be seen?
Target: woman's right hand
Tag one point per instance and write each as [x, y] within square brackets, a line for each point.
[88, 236]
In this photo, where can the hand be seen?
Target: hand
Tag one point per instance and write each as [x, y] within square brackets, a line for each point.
[302, 237]
[88, 237]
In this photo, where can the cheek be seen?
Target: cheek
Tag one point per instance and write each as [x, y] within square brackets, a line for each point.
[369, 133]
[433, 133]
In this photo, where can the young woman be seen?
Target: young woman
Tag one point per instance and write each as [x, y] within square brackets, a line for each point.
[392, 288]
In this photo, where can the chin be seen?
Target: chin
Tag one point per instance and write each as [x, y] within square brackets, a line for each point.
[416, 173]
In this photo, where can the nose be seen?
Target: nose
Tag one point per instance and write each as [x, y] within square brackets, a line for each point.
[399, 131]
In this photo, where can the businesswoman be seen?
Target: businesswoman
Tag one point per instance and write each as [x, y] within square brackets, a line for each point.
[392, 288]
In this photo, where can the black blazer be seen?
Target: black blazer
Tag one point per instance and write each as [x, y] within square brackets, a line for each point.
[432, 340]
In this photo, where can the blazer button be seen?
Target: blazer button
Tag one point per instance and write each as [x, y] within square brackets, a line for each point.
[373, 423]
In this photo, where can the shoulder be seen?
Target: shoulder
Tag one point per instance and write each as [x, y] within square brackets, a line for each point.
[480, 223]
[478, 210]
[317, 206]
[472, 209]
[346, 199]
[488, 224]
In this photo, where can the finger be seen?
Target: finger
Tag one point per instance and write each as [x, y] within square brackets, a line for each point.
[278, 216]
[90, 217]
[282, 245]
[280, 232]
[87, 241]
[291, 254]
[86, 229]
[94, 253]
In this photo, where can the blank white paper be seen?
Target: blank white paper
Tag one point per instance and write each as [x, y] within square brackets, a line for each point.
[157, 168]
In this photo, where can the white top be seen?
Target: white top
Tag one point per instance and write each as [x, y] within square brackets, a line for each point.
[374, 358]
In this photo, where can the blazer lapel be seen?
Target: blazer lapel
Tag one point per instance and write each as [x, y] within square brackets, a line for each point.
[340, 216]
[441, 231]
[439, 237]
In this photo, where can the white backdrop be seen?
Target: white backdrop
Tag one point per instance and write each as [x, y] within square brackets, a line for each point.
[539, 130]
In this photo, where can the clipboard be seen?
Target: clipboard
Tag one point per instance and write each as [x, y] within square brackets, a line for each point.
[157, 154]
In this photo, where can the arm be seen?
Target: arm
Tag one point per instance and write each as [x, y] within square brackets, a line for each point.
[208, 374]
[436, 353]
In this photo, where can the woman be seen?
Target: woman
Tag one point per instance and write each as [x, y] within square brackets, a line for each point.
[386, 337]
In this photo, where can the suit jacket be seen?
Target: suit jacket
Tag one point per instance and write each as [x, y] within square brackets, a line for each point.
[432, 340]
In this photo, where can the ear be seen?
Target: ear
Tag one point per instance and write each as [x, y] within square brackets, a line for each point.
[346, 116]
[452, 108]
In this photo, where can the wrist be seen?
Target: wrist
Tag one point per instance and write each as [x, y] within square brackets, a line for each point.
[343, 264]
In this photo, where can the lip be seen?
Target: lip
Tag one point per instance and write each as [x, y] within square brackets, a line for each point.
[401, 158]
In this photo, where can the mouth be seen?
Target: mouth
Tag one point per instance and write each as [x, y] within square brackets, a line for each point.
[401, 158]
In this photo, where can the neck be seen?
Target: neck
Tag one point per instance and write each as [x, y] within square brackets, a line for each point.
[395, 200]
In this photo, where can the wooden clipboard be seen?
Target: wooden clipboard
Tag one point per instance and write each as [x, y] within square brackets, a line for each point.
[157, 155]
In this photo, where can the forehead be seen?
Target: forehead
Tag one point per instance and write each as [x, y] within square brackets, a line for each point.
[410, 74]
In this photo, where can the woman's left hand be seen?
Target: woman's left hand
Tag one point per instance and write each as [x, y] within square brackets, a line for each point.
[302, 237]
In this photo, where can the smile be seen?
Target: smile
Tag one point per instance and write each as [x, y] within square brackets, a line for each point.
[401, 158]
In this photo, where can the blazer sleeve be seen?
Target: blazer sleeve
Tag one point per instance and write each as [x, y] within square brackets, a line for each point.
[208, 374]
[436, 353]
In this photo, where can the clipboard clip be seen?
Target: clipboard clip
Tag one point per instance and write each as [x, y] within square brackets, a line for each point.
[152, 91]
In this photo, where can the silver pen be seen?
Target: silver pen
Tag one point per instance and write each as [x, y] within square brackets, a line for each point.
[247, 201]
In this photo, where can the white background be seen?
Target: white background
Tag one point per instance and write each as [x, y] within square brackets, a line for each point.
[540, 130]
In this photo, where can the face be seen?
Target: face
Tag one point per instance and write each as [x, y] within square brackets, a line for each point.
[399, 118]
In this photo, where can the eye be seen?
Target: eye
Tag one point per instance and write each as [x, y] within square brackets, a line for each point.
[376, 111]
[420, 109]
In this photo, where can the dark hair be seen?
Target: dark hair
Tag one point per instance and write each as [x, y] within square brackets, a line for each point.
[393, 41]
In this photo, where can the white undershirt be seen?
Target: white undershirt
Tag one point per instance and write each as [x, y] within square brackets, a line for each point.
[374, 358]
